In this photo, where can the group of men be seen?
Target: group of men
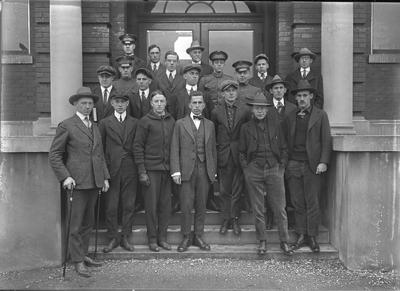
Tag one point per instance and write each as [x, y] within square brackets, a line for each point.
[167, 131]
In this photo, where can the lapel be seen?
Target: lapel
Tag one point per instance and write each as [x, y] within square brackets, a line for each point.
[238, 116]
[222, 111]
[207, 130]
[115, 126]
[314, 117]
[79, 123]
[187, 124]
[271, 120]
[128, 126]
[311, 75]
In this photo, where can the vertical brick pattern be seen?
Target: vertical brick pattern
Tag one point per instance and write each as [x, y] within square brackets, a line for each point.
[118, 21]
[284, 41]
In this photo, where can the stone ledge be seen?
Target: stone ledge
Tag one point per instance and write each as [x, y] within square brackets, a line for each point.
[366, 143]
[26, 144]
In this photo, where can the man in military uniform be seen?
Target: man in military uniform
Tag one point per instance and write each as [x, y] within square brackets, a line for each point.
[246, 92]
[128, 42]
[125, 85]
[261, 63]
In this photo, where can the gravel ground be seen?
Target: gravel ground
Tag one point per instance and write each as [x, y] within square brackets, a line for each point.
[207, 274]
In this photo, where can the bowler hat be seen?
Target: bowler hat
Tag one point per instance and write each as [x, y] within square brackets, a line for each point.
[275, 80]
[261, 56]
[242, 65]
[128, 37]
[83, 92]
[195, 45]
[189, 67]
[260, 100]
[303, 85]
[144, 71]
[106, 69]
[124, 60]
[228, 83]
[218, 55]
[304, 52]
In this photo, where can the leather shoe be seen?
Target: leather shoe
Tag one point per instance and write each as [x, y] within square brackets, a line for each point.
[126, 245]
[184, 245]
[235, 226]
[286, 249]
[199, 242]
[224, 227]
[154, 247]
[301, 241]
[164, 245]
[269, 220]
[262, 247]
[81, 269]
[111, 245]
[314, 246]
[91, 263]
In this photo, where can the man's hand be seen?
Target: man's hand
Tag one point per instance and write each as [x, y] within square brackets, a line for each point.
[144, 179]
[177, 179]
[322, 167]
[69, 183]
[106, 186]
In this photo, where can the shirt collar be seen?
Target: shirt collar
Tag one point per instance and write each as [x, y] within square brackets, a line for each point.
[117, 115]
[146, 92]
[198, 63]
[188, 87]
[265, 75]
[108, 89]
[307, 70]
[157, 65]
[81, 116]
[276, 102]
[308, 110]
[173, 73]
[234, 104]
[191, 116]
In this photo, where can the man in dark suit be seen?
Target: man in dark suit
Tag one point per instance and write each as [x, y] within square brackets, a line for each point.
[128, 42]
[118, 132]
[261, 63]
[309, 140]
[193, 166]
[77, 159]
[228, 118]
[105, 90]
[196, 53]
[152, 150]
[139, 100]
[154, 64]
[246, 91]
[305, 58]
[263, 156]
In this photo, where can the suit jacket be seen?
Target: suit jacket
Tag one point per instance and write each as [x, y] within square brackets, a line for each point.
[286, 110]
[318, 140]
[183, 151]
[103, 109]
[135, 105]
[228, 139]
[315, 81]
[168, 88]
[156, 75]
[256, 81]
[116, 145]
[248, 140]
[76, 152]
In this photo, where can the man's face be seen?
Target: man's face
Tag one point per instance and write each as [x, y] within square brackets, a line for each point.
[262, 66]
[125, 70]
[191, 77]
[171, 62]
[218, 65]
[154, 55]
[259, 111]
[196, 55]
[278, 91]
[197, 105]
[243, 76]
[105, 80]
[158, 103]
[305, 61]
[303, 99]
[143, 81]
[84, 105]
[128, 47]
[119, 105]
[230, 94]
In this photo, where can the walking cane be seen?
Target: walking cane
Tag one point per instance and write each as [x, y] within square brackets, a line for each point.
[70, 198]
[97, 223]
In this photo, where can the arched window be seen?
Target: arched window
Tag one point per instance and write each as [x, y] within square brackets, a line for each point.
[167, 6]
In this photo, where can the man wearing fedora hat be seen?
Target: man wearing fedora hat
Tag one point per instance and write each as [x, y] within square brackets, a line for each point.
[210, 84]
[196, 53]
[261, 63]
[307, 132]
[263, 157]
[118, 132]
[128, 42]
[305, 58]
[77, 159]
[246, 91]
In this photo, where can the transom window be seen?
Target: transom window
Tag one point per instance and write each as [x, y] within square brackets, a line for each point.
[173, 6]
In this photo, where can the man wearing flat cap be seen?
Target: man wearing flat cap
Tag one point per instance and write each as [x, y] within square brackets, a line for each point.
[246, 91]
[263, 157]
[196, 53]
[261, 63]
[77, 159]
[125, 85]
[228, 117]
[308, 135]
[305, 58]
[128, 42]
[139, 100]
[105, 91]
[118, 133]
[210, 84]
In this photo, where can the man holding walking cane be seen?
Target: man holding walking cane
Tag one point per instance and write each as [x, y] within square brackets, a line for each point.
[77, 159]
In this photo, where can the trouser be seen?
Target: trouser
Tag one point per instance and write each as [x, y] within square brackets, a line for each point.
[193, 193]
[82, 221]
[123, 187]
[304, 186]
[157, 201]
[268, 180]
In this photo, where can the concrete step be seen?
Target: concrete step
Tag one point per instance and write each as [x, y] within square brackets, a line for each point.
[211, 235]
[247, 252]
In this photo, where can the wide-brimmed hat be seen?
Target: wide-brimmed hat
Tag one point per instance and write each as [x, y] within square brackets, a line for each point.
[195, 46]
[106, 69]
[275, 80]
[260, 100]
[189, 67]
[218, 55]
[83, 92]
[128, 37]
[242, 65]
[304, 52]
[228, 83]
[261, 56]
[303, 85]
[145, 72]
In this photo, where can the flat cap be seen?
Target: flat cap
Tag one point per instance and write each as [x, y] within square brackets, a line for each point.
[106, 69]
[228, 83]
[145, 72]
[190, 67]
[119, 96]
[261, 56]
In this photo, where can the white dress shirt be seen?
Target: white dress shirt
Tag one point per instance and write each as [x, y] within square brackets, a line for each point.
[108, 92]
[189, 87]
[82, 117]
[173, 73]
[265, 75]
[117, 115]
[276, 102]
[306, 69]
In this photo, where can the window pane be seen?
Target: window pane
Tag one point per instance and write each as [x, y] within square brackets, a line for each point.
[237, 44]
[386, 23]
[177, 41]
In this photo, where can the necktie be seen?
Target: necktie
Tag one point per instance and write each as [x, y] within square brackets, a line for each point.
[143, 98]
[262, 76]
[120, 118]
[304, 74]
[87, 121]
[170, 78]
[105, 96]
[279, 106]
[154, 67]
[191, 90]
